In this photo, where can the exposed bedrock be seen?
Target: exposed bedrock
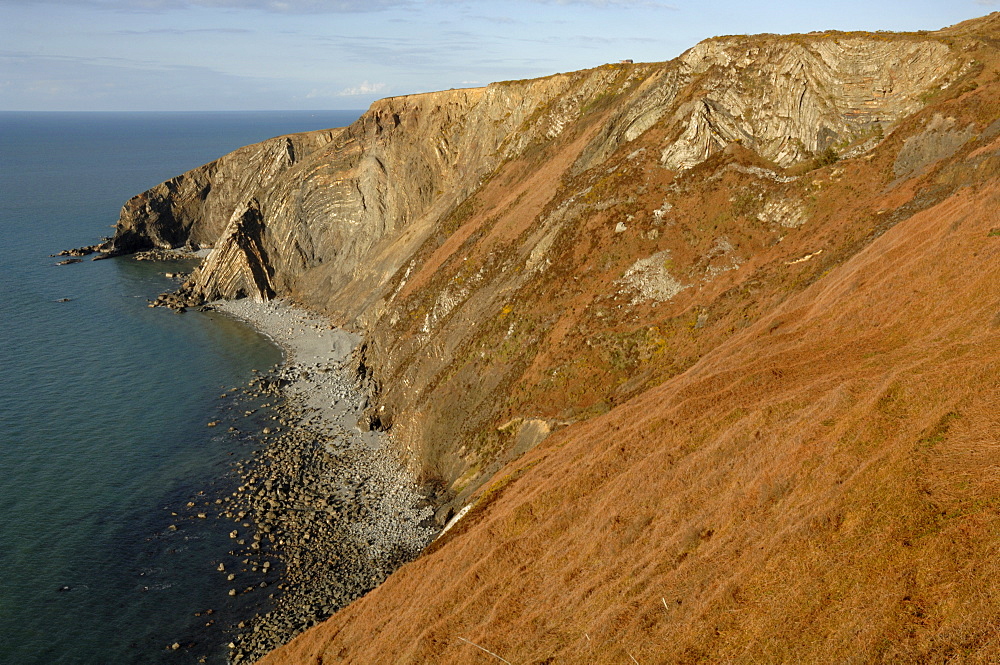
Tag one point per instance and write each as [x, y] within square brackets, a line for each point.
[195, 207]
[470, 233]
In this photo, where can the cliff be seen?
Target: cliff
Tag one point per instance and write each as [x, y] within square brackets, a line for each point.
[707, 345]
[367, 223]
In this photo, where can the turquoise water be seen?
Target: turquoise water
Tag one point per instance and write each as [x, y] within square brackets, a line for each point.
[104, 402]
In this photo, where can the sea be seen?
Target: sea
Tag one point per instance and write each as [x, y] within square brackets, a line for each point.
[106, 456]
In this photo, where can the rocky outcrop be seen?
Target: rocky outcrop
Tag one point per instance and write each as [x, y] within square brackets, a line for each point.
[940, 139]
[791, 99]
[418, 223]
[341, 211]
[195, 207]
[683, 271]
[342, 220]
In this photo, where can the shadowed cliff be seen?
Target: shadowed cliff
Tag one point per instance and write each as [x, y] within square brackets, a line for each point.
[707, 345]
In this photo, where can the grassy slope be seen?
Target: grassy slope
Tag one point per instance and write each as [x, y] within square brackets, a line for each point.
[816, 479]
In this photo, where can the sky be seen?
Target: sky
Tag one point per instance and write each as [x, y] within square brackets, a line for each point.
[217, 55]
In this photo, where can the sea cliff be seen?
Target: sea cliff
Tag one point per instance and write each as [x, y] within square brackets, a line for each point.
[673, 331]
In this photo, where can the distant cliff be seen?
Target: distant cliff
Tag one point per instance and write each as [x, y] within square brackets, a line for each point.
[351, 220]
[338, 212]
[194, 208]
[689, 304]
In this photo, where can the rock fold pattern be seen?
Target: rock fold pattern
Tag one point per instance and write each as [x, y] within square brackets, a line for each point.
[702, 351]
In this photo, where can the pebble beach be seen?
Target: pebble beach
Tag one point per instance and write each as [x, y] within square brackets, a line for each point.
[325, 510]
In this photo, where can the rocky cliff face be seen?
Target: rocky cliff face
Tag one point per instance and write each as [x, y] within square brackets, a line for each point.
[368, 222]
[636, 298]
[333, 197]
[195, 207]
[789, 100]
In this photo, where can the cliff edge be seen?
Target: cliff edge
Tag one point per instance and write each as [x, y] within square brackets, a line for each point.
[704, 348]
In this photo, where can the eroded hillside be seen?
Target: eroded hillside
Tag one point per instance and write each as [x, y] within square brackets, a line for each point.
[709, 346]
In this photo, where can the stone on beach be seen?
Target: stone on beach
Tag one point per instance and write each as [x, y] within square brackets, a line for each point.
[331, 503]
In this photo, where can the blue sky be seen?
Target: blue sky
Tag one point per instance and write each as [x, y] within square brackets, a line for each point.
[66, 55]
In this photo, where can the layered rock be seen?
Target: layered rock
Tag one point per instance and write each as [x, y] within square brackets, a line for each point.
[334, 204]
[791, 99]
[418, 223]
[195, 207]
[684, 272]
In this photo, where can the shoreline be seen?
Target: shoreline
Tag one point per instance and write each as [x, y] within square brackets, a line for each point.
[330, 506]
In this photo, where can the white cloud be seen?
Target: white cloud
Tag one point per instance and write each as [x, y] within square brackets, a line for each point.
[364, 88]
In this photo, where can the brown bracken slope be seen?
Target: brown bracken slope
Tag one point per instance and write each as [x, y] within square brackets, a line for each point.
[797, 460]
[824, 487]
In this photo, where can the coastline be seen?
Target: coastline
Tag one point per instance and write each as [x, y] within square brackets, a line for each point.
[324, 510]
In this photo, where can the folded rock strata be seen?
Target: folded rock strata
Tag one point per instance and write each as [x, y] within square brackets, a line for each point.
[615, 256]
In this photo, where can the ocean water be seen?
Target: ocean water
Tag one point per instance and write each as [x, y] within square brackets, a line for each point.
[104, 401]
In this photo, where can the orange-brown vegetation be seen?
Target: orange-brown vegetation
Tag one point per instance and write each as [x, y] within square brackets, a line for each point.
[823, 486]
[793, 458]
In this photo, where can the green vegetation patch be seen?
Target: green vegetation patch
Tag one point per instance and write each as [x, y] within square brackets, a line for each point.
[461, 214]
[939, 432]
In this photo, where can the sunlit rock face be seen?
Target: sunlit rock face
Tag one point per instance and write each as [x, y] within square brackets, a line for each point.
[423, 222]
[704, 352]
[789, 99]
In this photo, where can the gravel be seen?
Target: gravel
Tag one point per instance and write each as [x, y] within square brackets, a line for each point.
[326, 510]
